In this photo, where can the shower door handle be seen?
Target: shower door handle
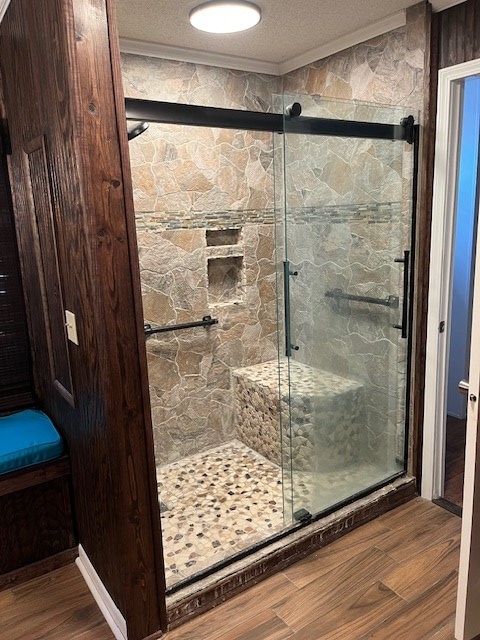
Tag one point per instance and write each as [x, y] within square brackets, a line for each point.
[406, 268]
[286, 304]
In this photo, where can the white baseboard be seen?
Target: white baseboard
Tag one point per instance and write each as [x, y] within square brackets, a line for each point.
[110, 611]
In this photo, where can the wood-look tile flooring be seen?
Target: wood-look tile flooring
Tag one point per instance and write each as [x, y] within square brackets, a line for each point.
[455, 460]
[56, 606]
[394, 578]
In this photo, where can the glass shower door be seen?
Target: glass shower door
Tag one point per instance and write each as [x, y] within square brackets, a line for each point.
[347, 229]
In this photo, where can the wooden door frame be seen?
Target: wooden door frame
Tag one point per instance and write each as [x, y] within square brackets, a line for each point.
[441, 271]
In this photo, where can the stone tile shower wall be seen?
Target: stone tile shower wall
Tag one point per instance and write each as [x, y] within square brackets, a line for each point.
[352, 249]
[190, 371]
[204, 213]
[186, 186]
[387, 70]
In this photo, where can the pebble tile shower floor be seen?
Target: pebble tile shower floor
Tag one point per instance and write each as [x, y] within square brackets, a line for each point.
[216, 504]
[220, 502]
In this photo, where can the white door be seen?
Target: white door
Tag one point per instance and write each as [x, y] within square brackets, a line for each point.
[450, 97]
[467, 624]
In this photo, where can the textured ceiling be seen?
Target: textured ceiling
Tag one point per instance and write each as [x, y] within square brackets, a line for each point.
[288, 28]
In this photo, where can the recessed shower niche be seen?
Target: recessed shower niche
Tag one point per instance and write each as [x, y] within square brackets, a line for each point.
[222, 237]
[225, 279]
[293, 401]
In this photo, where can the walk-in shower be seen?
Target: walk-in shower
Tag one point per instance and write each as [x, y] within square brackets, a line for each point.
[275, 255]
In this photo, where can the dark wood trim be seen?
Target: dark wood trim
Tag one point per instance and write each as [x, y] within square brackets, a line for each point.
[155, 636]
[449, 506]
[454, 37]
[39, 568]
[150, 467]
[72, 89]
[299, 545]
[422, 253]
[121, 354]
[38, 474]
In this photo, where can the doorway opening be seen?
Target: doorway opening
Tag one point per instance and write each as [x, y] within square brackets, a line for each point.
[275, 258]
[464, 250]
[454, 290]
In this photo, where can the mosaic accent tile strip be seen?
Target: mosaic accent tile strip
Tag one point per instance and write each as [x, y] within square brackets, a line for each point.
[157, 221]
[375, 212]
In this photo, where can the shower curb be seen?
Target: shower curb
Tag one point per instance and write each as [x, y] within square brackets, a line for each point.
[210, 592]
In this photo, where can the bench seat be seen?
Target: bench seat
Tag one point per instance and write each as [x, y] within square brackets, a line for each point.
[27, 438]
[36, 524]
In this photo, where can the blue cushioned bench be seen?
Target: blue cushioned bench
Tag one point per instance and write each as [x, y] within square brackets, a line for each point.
[36, 524]
[27, 438]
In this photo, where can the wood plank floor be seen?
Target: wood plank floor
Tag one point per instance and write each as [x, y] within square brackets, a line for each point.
[455, 460]
[57, 606]
[392, 578]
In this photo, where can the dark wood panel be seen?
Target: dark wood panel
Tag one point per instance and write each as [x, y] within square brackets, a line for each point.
[458, 34]
[421, 274]
[15, 368]
[40, 205]
[32, 288]
[31, 571]
[74, 104]
[38, 474]
[139, 316]
[118, 293]
[35, 523]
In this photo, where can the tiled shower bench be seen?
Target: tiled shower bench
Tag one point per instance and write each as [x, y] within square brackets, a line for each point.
[327, 429]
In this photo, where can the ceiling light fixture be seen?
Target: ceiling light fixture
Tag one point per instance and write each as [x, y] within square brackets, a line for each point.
[218, 16]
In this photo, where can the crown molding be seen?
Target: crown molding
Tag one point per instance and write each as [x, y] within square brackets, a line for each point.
[3, 8]
[142, 48]
[395, 21]
[441, 5]
[345, 42]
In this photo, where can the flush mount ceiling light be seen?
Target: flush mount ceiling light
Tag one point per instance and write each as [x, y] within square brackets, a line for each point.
[225, 17]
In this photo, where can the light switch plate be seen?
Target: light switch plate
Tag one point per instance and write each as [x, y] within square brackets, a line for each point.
[71, 325]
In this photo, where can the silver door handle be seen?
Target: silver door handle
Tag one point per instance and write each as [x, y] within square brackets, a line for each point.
[463, 386]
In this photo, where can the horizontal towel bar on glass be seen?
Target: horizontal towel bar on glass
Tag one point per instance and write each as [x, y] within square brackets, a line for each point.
[204, 322]
[338, 294]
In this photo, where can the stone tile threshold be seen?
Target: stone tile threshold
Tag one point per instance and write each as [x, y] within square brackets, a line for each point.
[225, 501]
[241, 574]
